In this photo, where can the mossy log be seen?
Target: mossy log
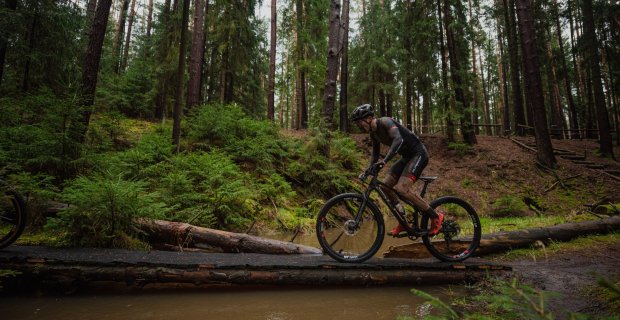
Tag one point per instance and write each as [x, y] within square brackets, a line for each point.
[183, 236]
[504, 241]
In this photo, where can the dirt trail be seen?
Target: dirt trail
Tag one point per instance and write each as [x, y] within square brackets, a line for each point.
[573, 274]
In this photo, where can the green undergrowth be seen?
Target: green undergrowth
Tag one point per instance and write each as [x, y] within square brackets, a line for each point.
[233, 172]
[512, 299]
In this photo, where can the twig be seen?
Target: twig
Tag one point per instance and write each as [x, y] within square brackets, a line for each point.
[523, 145]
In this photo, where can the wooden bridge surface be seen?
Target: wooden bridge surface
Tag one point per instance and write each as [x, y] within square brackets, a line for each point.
[145, 267]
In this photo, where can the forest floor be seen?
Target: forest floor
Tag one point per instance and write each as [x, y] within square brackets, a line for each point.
[573, 274]
[497, 168]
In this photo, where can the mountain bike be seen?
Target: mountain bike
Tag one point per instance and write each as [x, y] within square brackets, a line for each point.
[12, 214]
[350, 226]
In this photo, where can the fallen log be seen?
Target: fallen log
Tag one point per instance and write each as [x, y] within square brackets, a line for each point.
[34, 266]
[164, 234]
[504, 241]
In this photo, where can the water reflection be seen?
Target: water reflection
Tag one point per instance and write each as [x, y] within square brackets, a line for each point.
[229, 303]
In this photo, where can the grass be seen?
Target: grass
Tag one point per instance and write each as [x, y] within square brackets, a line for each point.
[555, 247]
[494, 225]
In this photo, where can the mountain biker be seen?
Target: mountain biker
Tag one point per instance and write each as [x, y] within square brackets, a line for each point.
[406, 170]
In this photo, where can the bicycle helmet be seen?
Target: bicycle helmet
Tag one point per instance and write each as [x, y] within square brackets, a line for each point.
[362, 112]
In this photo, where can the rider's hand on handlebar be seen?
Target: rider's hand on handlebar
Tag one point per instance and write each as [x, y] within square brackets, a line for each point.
[373, 170]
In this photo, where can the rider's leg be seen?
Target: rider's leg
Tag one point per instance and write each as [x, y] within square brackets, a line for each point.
[390, 181]
[412, 171]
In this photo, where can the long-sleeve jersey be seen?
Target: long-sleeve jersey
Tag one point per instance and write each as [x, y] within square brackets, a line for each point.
[391, 133]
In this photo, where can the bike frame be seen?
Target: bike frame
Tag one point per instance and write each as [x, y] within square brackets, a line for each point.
[376, 185]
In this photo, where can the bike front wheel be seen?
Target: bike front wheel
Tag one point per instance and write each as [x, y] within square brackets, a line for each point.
[12, 217]
[345, 238]
[460, 231]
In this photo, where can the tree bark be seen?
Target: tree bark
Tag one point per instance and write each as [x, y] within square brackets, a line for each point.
[302, 111]
[178, 109]
[196, 55]
[149, 19]
[90, 69]
[272, 64]
[167, 234]
[567, 85]
[515, 81]
[455, 46]
[118, 36]
[329, 95]
[505, 241]
[557, 115]
[10, 5]
[344, 67]
[534, 88]
[132, 16]
[592, 56]
[450, 129]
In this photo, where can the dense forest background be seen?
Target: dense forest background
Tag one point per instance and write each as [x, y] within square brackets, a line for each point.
[175, 108]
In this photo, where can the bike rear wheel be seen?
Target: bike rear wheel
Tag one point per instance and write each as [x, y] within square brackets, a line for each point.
[344, 239]
[460, 231]
[12, 217]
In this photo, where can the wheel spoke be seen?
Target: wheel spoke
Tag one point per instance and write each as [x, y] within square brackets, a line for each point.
[344, 237]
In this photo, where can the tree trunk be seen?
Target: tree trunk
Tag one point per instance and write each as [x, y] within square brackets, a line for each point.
[592, 56]
[118, 36]
[31, 45]
[329, 95]
[505, 241]
[162, 77]
[567, 86]
[515, 81]
[272, 64]
[476, 85]
[485, 98]
[132, 16]
[178, 109]
[37, 267]
[196, 55]
[503, 86]
[344, 67]
[176, 234]
[302, 112]
[579, 83]
[90, 69]
[557, 115]
[149, 19]
[534, 88]
[450, 130]
[455, 46]
[10, 5]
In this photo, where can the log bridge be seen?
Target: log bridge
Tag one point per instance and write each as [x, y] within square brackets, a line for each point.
[33, 265]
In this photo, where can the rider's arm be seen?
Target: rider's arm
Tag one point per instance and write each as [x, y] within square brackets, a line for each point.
[397, 139]
[376, 149]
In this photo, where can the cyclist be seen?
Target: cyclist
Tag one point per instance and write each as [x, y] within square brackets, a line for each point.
[406, 170]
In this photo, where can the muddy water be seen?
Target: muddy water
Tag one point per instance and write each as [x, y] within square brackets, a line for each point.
[229, 303]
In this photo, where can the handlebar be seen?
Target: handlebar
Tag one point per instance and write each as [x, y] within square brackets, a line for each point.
[373, 170]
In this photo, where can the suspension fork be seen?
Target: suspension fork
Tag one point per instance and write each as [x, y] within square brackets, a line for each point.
[366, 197]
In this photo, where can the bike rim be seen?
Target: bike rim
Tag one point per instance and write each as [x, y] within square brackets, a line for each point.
[345, 238]
[459, 235]
[10, 219]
